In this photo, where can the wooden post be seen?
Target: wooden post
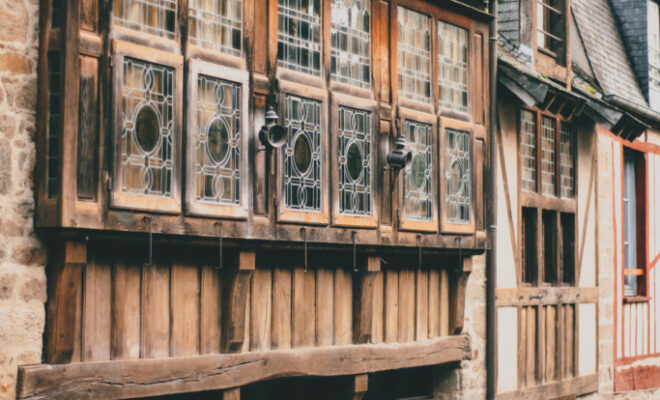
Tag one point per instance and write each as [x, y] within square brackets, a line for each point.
[370, 303]
[64, 305]
[232, 394]
[359, 386]
[234, 319]
[457, 296]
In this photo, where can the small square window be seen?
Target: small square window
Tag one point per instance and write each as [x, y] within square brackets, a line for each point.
[414, 44]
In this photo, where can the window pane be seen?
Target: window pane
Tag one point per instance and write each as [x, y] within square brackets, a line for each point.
[53, 129]
[216, 25]
[566, 166]
[299, 35]
[548, 156]
[549, 246]
[528, 144]
[453, 67]
[629, 223]
[529, 245]
[216, 141]
[457, 176]
[302, 154]
[156, 17]
[414, 42]
[147, 131]
[351, 42]
[354, 145]
[549, 24]
[568, 247]
[418, 188]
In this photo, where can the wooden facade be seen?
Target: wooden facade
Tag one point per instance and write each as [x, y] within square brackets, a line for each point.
[159, 293]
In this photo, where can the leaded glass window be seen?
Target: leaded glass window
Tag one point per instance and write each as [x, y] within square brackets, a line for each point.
[299, 35]
[354, 147]
[566, 163]
[147, 128]
[302, 154]
[216, 141]
[414, 43]
[548, 156]
[53, 135]
[457, 176]
[156, 17]
[351, 42]
[453, 67]
[418, 183]
[528, 148]
[216, 25]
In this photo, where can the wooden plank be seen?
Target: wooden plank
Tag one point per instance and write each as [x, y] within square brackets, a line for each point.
[232, 394]
[422, 305]
[551, 343]
[569, 332]
[541, 345]
[343, 309]
[125, 311]
[531, 350]
[406, 324]
[359, 386]
[391, 306]
[281, 331]
[303, 308]
[434, 303]
[550, 295]
[210, 328]
[151, 377]
[260, 36]
[377, 324]
[522, 347]
[444, 302]
[575, 386]
[97, 306]
[561, 342]
[260, 310]
[457, 300]
[185, 310]
[155, 335]
[236, 304]
[89, 15]
[324, 307]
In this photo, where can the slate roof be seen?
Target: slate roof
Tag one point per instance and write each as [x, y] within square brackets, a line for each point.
[605, 50]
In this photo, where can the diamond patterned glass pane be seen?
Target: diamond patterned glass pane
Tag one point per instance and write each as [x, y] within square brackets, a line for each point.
[453, 67]
[418, 186]
[528, 144]
[354, 145]
[216, 140]
[566, 166]
[302, 154]
[457, 176]
[147, 131]
[53, 135]
[156, 17]
[351, 42]
[299, 35]
[548, 156]
[414, 42]
[216, 25]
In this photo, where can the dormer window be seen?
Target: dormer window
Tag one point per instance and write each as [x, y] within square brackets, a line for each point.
[551, 28]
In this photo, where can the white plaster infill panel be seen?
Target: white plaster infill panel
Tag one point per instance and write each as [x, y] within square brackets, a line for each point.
[587, 339]
[507, 349]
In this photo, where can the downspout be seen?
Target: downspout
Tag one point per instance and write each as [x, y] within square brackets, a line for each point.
[491, 216]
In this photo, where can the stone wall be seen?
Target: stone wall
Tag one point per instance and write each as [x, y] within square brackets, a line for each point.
[22, 259]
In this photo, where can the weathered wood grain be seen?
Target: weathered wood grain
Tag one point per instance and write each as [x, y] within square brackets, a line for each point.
[155, 311]
[324, 307]
[343, 310]
[185, 310]
[260, 310]
[391, 306]
[281, 330]
[210, 330]
[125, 311]
[97, 305]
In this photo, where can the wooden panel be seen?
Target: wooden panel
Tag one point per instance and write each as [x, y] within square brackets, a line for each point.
[89, 14]
[97, 308]
[324, 307]
[383, 50]
[406, 325]
[541, 344]
[551, 343]
[260, 310]
[232, 394]
[142, 378]
[444, 302]
[88, 128]
[531, 347]
[303, 308]
[260, 35]
[126, 311]
[570, 341]
[185, 310]
[391, 306]
[421, 306]
[574, 386]
[281, 333]
[210, 311]
[377, 325]
[434, 303]
[343, 300]
[155, 311]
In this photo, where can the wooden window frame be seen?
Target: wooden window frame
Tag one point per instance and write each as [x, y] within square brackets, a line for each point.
[556, 204]
[406, 224]
[195, 69]
[131, 201]
[336, 101]
[321, 217]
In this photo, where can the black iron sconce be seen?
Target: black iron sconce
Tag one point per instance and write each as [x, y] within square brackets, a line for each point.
[271, 133]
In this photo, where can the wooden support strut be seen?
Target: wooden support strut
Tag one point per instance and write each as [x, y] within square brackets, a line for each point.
[369, 301]
[457, 295]
[235, 316]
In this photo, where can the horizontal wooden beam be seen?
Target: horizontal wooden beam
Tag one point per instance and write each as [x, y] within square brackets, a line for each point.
[576, 386]
[526, 296]
[155, 377]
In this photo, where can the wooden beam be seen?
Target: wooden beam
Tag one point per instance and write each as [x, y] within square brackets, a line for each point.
[234, 320]
[457, 296]
[575, 386]
[549, 296]
[359, 386]
[155, 377]
[232, 394]
[371, 303]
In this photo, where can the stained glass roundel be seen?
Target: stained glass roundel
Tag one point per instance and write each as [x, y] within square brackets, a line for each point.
[218, 141]
[354, 161]
[302, 153]
[147, 129]
[455, 177]
[418, 167]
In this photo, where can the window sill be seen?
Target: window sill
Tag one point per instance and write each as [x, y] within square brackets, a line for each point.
[636, 299]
